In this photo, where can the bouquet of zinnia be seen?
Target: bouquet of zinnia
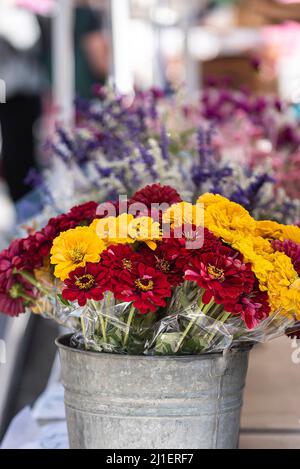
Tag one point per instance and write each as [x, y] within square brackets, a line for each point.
[158, 275]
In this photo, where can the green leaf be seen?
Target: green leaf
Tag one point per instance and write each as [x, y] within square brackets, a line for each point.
[63, 300]
[166, 343]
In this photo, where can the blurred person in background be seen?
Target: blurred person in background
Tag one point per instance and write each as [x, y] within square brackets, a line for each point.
[91, 49]
[21, 70]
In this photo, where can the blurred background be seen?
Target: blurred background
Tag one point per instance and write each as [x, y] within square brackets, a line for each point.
[52, 51]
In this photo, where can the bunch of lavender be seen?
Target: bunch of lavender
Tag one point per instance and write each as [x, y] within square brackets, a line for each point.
[121, 143]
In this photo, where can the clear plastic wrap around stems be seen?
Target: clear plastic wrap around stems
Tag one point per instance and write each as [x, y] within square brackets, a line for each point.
[196, 328]
[50, 305]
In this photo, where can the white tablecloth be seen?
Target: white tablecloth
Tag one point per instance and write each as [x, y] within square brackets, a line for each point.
[42, 427]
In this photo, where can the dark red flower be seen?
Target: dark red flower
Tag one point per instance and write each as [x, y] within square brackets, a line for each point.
[42, 240]
[165, 259]
[15, 295]
[86, 283]
[15, 257]
[252, 308]
[194, 241]
[29, 253]
[224, 278]
[145, 287]
[38, 245]
[156, 194]
[60, 223]
[83, 213]
[291, 249]
[118, 258]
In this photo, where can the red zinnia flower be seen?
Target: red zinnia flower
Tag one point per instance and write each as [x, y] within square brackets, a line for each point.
[58, 224]
[223, 277]
[156, 194]
[165, 259]
[146, 288]
[86, 283]
[189, 240]
[83, 213]
[118, 258]
[252, 308]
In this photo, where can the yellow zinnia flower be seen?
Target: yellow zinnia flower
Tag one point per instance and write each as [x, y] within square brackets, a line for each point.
[145, 229]
[269, 229]
[227, 220]
[257, 251]
[273, 230]
[284, 286]
[74, 248]
[125, 229]
[291, 232]
[113, 230]
[208, 199]
[183, 213]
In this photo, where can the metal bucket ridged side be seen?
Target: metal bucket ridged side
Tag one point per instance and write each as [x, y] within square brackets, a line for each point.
[123, 402]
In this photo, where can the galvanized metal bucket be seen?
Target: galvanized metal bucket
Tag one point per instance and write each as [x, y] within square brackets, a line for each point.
[168, 402]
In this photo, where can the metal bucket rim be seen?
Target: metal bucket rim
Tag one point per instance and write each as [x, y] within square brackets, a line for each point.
[62, 342]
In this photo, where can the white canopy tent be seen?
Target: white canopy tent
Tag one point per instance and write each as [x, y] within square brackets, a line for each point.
[63, 58]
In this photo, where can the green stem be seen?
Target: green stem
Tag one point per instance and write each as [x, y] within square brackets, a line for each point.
[103, 328]
[102, 322]
[83, 330]
[108, 300]
[30, 278]
[29, 298]
[128, 323]
[221, 318]
[203, 309]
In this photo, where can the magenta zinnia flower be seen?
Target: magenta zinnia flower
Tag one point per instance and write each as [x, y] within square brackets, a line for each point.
[252, 308]
[291, 249]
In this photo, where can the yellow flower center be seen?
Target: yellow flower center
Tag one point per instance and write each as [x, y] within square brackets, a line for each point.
[216, 273]
[162, 265]
[296, 285]
[144, 284]
[127, 264]
[77, 255]
[15, 291]
[189, 236]
[85, 282]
